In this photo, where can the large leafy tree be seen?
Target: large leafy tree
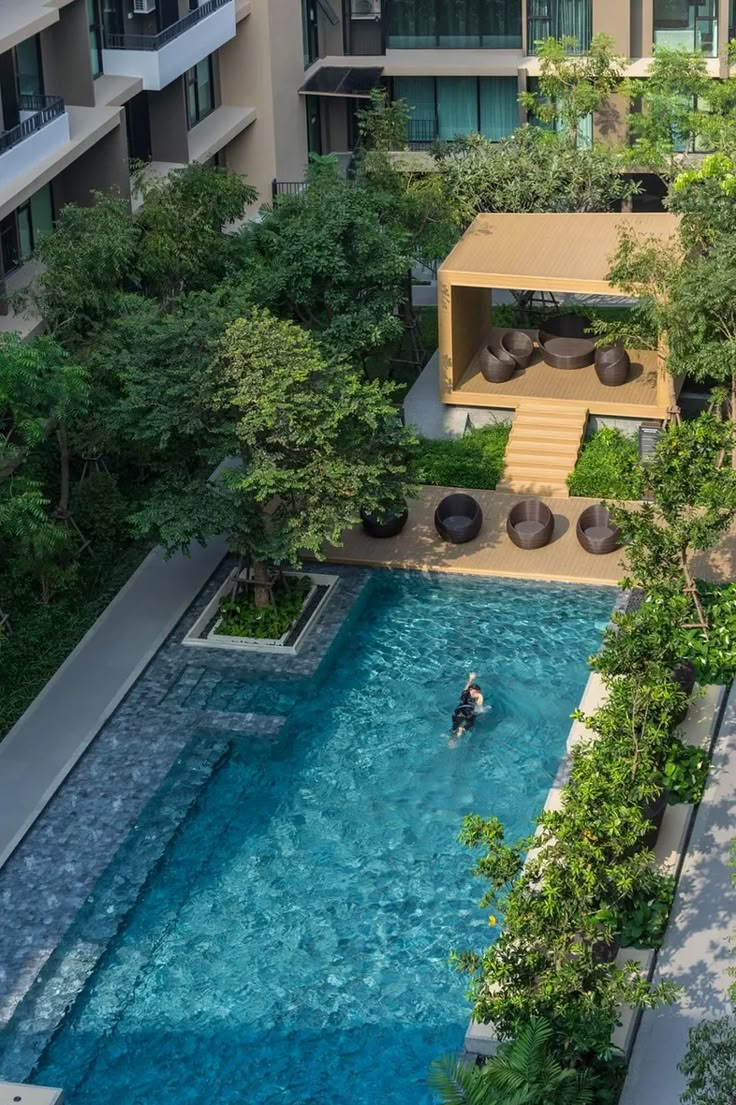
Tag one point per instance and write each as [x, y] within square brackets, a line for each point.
[329, 259]
[182, 245]
[571, 86]
[670, 113]
[533, 170]
[312, 443]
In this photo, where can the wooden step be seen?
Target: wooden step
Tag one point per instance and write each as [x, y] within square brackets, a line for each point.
[532, 471]
[580, 410]
[549, 463]
[548, 447]
[539, 432]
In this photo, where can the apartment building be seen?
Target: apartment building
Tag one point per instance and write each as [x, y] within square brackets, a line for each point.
[86, 85]
[461, 64]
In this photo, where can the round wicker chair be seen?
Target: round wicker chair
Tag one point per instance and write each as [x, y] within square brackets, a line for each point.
[596, 532]
[564, 342]
[529, 524]
[519, 346]
[497, 365]
[387, 526]
[612, 364]
[458, 518]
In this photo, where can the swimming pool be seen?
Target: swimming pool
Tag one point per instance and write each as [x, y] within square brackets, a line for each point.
[292, 945]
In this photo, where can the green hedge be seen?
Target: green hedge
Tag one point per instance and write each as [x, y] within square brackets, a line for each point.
[607, 468]
[41, 637]
[474, 460]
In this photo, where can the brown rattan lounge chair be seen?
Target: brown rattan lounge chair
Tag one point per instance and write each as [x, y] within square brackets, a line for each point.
[596, 532]
[387, 526]
[458, 518]
[497, 365]
[612, 364]
[529, 524]
[564, 343]
[519, 345]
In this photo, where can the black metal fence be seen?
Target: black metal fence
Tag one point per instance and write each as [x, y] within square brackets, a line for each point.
[422, 133]
[44, 108]
[155, 42]
[287, 187]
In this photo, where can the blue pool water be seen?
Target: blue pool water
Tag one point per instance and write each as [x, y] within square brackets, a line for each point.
[292, 947]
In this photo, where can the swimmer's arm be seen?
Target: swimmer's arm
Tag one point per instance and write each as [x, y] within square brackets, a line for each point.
[471, 679]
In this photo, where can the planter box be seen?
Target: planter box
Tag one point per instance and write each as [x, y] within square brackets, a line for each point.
[204, 631]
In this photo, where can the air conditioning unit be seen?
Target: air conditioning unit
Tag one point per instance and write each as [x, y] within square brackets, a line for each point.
[144, 7]
[365, 9]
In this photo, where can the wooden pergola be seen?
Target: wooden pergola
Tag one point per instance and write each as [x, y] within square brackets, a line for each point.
[557, 253]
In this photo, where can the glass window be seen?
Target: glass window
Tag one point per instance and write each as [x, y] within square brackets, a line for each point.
[454, 24]
[95, 36]
[42, 213]
[309, 32]
[21, 231]
[691, 24]
[499, 107]
[28, 67]
[200, 91]
[559, 19]
[25, 232]
[445, 107]
[9, 249]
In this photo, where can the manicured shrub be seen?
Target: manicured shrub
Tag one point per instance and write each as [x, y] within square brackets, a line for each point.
[607, 467]
[710, 1063]
[473, 461]
[242, 618]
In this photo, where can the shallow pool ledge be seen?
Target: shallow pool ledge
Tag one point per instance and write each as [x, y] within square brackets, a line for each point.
[16, 1093]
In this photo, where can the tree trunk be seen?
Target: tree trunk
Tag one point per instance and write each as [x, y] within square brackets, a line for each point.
[691, 589]
[63, 507]
[261, 590]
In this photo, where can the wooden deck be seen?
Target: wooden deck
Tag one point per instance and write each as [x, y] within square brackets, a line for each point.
[493, 554]
[635, 399]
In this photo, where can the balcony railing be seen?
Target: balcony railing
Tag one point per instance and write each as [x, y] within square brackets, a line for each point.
[155, 42]
[44, 108]
[422, 133]
[287, 187]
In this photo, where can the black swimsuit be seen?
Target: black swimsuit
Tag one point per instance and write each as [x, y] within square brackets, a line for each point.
[464, 715]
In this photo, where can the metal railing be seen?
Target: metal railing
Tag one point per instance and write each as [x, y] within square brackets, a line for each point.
[287, 187]
[155, 42]
[422, 133]
[44, 108]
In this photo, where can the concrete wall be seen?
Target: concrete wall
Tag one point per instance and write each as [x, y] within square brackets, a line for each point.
[65, 54]
[168, 115]
[101, 168]
[263, 67]
[613, 17]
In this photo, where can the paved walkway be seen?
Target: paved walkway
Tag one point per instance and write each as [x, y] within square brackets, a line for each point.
[695, 954]
[43, 746]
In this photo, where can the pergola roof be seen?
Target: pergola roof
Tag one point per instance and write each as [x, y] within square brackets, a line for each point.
[557, 252]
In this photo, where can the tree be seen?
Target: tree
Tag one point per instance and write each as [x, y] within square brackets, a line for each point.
[691, 502]
[571, 86]
[328, 259]
[384, 124]
[524, 1071]
[86, 261]
[670, 116]
[710, 1063]
[701, 316]
[533, 170]
[705, 199]
[315, 444]
[182, 245]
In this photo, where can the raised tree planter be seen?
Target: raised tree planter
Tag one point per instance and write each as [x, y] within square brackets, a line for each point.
[206, 630]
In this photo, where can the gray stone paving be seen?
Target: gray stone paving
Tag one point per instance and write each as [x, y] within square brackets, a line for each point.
[697, 953]
[51, 873]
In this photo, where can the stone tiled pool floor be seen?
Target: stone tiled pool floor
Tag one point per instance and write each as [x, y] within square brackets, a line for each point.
[50, 875]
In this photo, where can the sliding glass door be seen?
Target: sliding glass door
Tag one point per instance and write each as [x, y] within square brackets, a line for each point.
[454, 24]
[448, 107]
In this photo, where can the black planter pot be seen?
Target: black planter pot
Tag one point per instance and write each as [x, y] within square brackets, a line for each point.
[653, 811]
[605, 951]
[684, 676]
[388, 526]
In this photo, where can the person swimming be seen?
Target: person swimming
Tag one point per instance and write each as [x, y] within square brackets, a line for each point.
[467, 709]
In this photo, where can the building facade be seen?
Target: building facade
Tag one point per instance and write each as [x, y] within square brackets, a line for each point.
[461, 64]
[88, 85]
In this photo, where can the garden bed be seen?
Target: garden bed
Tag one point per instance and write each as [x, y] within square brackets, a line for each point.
[207, 630]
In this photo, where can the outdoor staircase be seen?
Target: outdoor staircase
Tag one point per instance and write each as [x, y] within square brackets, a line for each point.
[543, 447]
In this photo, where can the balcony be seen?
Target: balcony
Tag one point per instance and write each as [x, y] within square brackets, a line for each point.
[43, 129]
[159, 59]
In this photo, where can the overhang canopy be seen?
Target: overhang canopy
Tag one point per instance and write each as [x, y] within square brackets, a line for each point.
[556, 252]
[354, 83]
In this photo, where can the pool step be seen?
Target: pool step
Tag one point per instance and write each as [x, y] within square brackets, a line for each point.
[543, 447]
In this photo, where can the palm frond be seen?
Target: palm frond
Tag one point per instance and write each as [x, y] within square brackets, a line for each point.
[455, 1081]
